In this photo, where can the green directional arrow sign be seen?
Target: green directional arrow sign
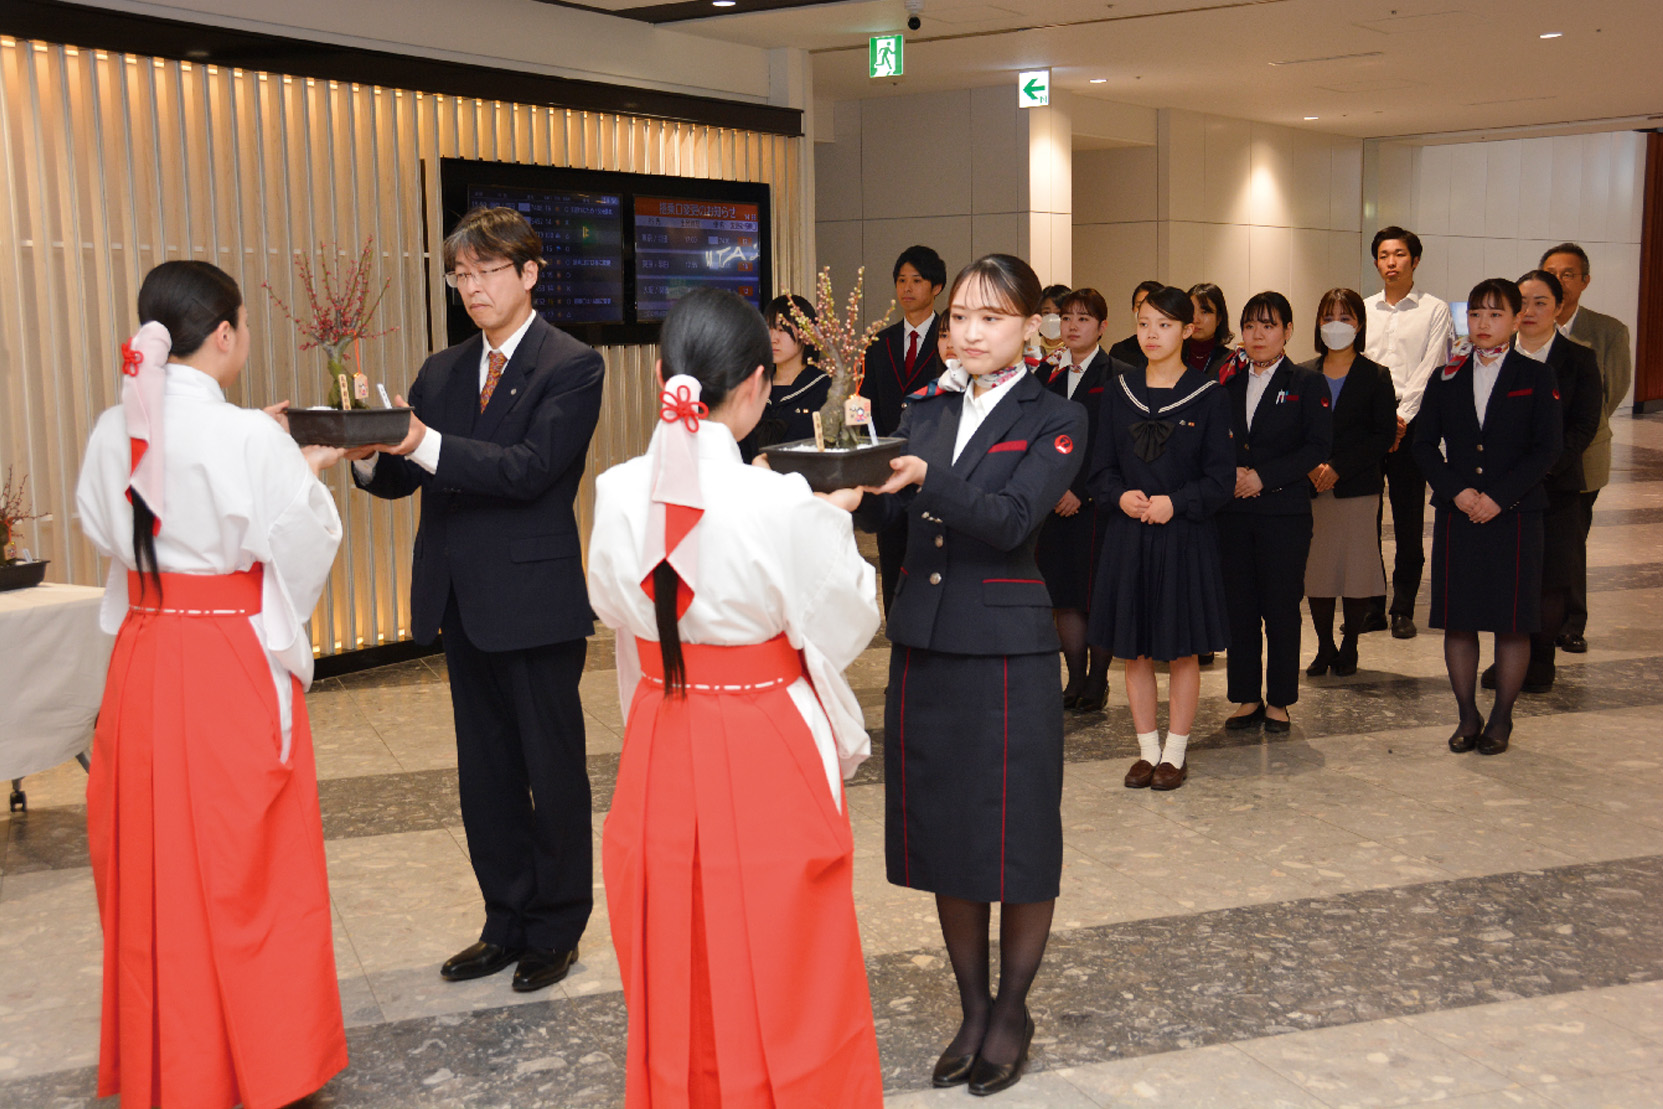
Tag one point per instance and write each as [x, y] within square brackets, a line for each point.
[1033, 88]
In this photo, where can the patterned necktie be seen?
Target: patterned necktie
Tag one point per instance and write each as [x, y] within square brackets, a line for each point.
[912, 353]
[494, 362]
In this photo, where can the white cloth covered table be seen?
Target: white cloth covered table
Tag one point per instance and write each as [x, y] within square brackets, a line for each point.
[52, 662]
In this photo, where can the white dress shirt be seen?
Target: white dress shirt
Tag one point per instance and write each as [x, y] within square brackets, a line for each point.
[1076, 373]
[1411, 339]
[773, 558]
[426, 454]
[975, 409]
[1565, 328]
[1540, 354]
[1484, 376]
[1257, 382]
[237, 492]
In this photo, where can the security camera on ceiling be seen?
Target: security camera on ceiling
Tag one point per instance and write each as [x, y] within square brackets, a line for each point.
[915, 8]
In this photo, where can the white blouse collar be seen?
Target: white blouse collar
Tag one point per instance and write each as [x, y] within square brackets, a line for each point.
[183, 380]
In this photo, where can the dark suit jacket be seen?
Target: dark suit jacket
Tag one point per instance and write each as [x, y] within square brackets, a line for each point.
[1130, 352]
[1291, 434]
[1365, 423]
[1509, 456]
[887, 382]
[1581, 396]
[497, 525]
[969, 584]
[1089, 395]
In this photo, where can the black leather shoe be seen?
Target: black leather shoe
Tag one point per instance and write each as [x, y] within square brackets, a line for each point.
[1373, 622]
[542, 967]
[1319, 665]
[1488, 678]
[1243, 723]
[1069, 700]
[989, 1078]
[1575, 644]
[479, 961]
[1491, 745]
[1092, 699]
[1206, 658]
[952, 1070]
[1274, 726]
[1462, 742]
[1345, 659]
[1403, 627]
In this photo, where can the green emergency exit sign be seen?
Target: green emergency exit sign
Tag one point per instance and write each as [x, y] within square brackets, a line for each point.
[885, 57]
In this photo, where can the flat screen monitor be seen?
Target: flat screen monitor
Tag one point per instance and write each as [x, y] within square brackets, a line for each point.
[619, 248]
[1458, 316]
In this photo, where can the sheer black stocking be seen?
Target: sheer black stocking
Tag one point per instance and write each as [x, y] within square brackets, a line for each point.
[1023, 932]
[1322, 619]
[1512, 660]
[964, 928]
[1071, 629]
[1356, 611]
[1461, 660]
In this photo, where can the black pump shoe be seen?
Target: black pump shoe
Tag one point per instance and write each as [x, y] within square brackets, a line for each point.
[1325, 659]
[1461, 743]
[952, 1070]
[1254, 719]
[1345, 660]
[1092, 699]
[989, 1078]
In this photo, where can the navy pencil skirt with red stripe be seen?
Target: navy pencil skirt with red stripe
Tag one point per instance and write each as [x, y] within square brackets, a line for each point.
[973, 774]
[1486, 577]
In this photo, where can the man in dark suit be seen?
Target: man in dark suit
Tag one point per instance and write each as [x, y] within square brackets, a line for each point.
[1607, 336]
[500, 428]
[900, 361]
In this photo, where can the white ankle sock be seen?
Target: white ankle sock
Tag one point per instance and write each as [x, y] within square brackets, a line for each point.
[1149, 747]
[1176, 745]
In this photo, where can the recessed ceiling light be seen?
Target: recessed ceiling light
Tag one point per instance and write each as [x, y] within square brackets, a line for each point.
[1552, 35]
[723, 3]
[1099, 80]
[1308, 118]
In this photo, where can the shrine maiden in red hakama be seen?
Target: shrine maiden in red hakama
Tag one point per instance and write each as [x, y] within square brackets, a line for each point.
[728, 856]
[202, 804]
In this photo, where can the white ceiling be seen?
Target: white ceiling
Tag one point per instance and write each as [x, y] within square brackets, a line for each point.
[1364, 68]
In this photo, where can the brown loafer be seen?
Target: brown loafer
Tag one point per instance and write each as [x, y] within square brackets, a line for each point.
[1141, 774]
[1168, 776]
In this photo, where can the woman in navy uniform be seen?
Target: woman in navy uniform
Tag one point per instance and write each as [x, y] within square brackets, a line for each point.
[1581, 394]
[1488, 432]
[1344, 567]
[1280, 413]
[1163, 457]
[973, 720]
[1072, 536]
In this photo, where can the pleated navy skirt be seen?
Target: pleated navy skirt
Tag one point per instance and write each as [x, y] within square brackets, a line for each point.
[973, 775]
[1067, 552]
[1159, 591]
[1486, 577]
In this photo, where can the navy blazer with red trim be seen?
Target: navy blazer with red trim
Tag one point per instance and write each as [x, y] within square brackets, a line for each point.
[1089, 394]
[1510, 455]
[498, 527]
[969, 583]
[1292, 432]
[887, 383]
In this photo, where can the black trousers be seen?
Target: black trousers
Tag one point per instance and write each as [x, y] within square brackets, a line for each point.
[1263, 558]
[1576, 608]
[1406, 489]
[892, 551]
[523, 773]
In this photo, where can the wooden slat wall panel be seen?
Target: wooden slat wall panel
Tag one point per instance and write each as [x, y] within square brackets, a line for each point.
[112, 163]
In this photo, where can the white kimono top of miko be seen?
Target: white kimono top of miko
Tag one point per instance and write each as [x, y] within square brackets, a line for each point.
[772, 558]
[236, 491]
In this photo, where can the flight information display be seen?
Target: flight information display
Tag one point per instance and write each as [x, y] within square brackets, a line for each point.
[583, 248]
[683, 244]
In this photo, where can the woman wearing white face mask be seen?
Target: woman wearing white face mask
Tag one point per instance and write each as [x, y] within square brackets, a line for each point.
[1049, 341]
[1345, 541]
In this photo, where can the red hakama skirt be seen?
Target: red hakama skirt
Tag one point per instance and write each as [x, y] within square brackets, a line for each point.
[207, 854]
[729, 881]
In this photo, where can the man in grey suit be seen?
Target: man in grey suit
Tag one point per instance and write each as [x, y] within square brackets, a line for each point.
[1608, 337]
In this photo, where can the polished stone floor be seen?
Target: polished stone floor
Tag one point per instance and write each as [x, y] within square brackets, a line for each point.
[1344, 916]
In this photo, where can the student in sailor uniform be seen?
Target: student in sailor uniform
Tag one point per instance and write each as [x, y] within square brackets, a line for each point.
[898, 363]
[973, 721]
[1072, 536]
[1281, 417]
[800, 385]
[1581, 393]
[1488, 433]
[1164, 457]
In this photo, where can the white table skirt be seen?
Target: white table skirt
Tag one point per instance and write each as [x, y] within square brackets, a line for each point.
[52, 662]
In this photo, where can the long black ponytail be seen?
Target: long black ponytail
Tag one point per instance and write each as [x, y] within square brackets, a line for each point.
[718, 339]
[191, 299]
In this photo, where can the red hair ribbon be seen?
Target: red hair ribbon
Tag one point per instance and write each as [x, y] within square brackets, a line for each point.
[131, 359]
[680, 405]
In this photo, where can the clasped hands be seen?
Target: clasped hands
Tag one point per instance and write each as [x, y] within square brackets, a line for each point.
[1480, 509]
[1323, 477]
[1248, 483]
[1151, 510]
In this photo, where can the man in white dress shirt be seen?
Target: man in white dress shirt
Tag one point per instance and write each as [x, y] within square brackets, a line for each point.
[1410, 333]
